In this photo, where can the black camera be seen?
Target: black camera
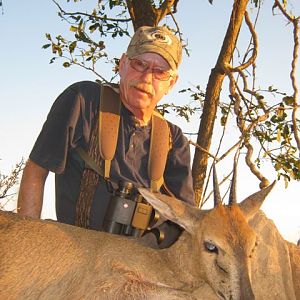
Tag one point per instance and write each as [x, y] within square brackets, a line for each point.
[127, 213]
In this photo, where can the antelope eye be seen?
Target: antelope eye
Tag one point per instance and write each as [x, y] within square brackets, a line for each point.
[210, 247]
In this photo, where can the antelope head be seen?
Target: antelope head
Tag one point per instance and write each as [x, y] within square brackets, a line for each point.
[222, 239]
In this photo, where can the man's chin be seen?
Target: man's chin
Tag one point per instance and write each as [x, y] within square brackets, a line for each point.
[141, 106]
[141, 101]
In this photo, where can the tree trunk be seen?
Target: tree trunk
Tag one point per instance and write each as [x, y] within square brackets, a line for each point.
[144, 13]
[212, 97]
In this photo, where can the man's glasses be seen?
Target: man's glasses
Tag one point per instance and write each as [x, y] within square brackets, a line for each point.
[143, 66]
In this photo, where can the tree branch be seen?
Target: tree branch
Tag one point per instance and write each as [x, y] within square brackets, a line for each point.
[165, 9]
[88, 15]
[212, 97]
[295, 21]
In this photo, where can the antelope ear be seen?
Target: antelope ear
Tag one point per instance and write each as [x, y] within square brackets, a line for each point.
[173, 209]
[252, 204]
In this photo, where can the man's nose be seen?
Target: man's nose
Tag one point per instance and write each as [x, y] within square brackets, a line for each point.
[147, 75]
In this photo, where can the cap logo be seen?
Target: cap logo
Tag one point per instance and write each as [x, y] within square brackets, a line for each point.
[160, 36]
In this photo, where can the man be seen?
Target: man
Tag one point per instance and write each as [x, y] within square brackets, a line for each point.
[148, 71]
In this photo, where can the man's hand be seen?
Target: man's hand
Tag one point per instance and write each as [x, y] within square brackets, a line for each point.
[31, 192]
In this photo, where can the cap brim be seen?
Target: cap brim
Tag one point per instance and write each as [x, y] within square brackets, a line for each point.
[134, 50]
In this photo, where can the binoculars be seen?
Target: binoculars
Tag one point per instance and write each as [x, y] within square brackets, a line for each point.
[128, 213]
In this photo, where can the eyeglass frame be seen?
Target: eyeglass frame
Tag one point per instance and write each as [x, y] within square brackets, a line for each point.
[147, 69]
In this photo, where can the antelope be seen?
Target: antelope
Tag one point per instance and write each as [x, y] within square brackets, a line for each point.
[211, 259]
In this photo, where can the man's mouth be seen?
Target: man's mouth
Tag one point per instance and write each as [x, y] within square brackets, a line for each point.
[142, 88]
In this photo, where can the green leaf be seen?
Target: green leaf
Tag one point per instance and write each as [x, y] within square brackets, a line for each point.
[278, 137]
[48, 36]
[223, 120]
[72, 46]
[277, 166]
[288, 100]
[259, 97]
[274, 119]
[286, 181]
[46, 46]
[93, 27]
[286, 130]
[73, 28]
[66, 64]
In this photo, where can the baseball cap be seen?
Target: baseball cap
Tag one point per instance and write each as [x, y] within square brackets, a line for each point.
[159, 40]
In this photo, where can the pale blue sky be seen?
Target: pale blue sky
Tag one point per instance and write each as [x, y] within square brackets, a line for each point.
[29, 84]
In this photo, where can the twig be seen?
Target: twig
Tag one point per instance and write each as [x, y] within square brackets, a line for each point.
[202, 149]
[88, 15]
[295, 21]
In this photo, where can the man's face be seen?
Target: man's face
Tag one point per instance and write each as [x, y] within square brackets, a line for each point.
[145, 79]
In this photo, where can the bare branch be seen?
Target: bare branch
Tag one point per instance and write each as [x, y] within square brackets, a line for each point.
[63, 12]
[245, 131]
[165, 9]
[211, 193]
[264, 182]
[252, 59]
[202, 149]
[9, 181]
[294, 80]
[283, 10]
[295, 21]
[237, 144]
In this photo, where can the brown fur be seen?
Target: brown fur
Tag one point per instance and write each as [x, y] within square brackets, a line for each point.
[294, 252]
[49, 260]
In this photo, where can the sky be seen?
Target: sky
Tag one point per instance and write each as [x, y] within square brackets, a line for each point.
[29, 84]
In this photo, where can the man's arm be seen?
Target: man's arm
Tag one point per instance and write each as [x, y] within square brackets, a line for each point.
[31, 192]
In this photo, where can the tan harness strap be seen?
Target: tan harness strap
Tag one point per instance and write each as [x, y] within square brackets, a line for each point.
[109, 122]
[159, 148]
[109, 119]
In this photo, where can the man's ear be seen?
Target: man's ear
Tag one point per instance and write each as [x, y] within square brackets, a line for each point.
[122, 64]
[173, 80]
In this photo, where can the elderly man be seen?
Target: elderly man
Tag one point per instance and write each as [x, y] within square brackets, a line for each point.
[148, 71]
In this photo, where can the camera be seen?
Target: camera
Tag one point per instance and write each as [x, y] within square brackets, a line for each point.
[127, 213]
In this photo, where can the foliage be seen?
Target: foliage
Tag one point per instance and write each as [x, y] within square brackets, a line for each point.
[8, 182]
[270, 128]
[187, 110]
[275, 136]
[84, 48]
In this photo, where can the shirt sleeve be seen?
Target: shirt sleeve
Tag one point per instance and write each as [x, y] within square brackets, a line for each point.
[178, 173]
[68, 125]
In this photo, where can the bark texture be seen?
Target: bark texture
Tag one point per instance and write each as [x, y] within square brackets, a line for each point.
[144, 13]
[212, 97]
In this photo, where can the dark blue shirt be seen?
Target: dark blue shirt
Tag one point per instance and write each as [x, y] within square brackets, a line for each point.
[69, 125]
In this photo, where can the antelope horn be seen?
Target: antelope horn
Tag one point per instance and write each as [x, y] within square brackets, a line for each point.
[232, 195]
[217, 195]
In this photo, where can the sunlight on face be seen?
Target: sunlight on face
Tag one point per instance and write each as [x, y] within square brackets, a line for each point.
[145, 79]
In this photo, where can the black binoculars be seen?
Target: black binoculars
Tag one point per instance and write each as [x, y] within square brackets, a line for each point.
[128, 213]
